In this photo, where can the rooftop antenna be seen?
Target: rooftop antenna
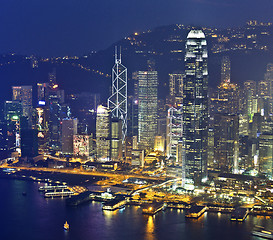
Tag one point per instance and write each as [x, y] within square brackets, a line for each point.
[116, 54]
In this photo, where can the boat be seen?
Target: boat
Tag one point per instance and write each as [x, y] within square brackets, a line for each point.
[52, 187]
[262, 232]
[66, 226]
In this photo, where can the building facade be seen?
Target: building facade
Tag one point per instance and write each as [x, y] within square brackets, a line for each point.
[103, 141]
[69, 129]
[195, 107]
[147, 108]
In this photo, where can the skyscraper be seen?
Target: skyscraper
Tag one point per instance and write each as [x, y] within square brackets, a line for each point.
[117, 102]
[41, 91]
[54, 123]
[147, 108]
[174, 131]
[176, 87]
[226, 140]
[266, 154]
[228, 98]
[268, 77]
[103, 133]
[263, 104]
[12, 114]
[24, 95]
[69, 129]
[225, 70]
[29, 142]
[116, 139]
[195, 108]
[250, 90]
[52, 79]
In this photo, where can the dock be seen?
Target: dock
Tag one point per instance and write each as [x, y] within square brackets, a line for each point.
[239, 214]
[78, 199]
[114, 204]
[195, 211]
[153, 208]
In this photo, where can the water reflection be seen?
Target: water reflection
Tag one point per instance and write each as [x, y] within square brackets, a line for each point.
[108, 216]
[150, 228]
[38, 218]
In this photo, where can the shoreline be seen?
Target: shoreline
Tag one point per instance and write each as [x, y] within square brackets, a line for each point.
[52, 177]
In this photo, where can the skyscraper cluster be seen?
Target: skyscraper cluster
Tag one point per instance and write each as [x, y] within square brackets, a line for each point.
[194, 131]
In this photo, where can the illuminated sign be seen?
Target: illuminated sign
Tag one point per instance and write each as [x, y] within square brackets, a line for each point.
[15, 118]
[81, 145]
[40, 122]
[42, 103]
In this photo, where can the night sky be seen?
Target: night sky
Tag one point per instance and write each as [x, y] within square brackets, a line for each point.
[76, 27]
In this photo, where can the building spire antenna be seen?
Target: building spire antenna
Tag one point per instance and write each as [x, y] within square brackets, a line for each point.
[116, 53]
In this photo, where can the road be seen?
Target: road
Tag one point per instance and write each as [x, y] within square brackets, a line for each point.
[81, 172]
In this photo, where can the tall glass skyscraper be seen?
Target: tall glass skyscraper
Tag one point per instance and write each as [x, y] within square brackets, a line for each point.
[195, 108]
[117, 102]
[103, 133]
[147, 108]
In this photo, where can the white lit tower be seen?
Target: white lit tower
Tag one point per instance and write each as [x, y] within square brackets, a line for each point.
[195, 107]
[117, 102]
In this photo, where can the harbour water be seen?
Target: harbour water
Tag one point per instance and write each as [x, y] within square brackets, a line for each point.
[30, 216]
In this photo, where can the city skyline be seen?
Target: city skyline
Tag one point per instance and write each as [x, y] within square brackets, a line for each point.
[200, 149]
[167, 132]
